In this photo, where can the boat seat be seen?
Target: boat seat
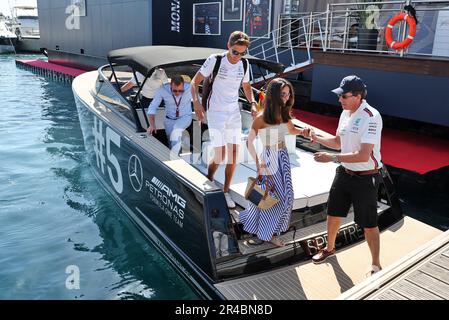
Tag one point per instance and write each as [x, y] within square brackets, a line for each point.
[159, 120]
[244, 156]
[207, 152]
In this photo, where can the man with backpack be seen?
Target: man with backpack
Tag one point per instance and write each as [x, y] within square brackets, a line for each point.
[224, 74]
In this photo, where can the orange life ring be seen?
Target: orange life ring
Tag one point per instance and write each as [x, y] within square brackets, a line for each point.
[389, 32]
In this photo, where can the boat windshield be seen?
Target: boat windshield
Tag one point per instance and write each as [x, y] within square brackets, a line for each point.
[108, 93]
[130, 92]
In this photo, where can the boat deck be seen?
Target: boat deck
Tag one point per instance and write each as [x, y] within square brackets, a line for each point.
[295, 236]
[311, 180]
[421, 275]
[338, 274]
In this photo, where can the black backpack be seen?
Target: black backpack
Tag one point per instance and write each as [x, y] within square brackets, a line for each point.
[209, 81]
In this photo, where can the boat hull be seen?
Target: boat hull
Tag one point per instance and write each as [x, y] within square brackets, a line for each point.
[161, 204]
[32, 44]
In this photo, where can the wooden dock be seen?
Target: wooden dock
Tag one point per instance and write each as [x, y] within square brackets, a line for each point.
[340, 273]
[420, 275]
[53, 71]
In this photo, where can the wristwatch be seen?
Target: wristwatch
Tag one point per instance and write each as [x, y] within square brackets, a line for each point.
[335, 158]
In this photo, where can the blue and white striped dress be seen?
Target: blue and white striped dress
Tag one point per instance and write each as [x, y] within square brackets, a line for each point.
[266, 223]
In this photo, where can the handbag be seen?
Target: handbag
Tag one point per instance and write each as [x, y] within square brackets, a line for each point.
[259, 197]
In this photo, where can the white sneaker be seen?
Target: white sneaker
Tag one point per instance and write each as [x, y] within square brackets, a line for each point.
[373, 269]
[229, 201]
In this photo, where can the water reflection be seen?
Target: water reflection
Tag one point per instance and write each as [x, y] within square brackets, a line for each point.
[115, 260]
[123, 248]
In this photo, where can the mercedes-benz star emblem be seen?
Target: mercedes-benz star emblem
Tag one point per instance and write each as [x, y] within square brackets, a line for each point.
[135, 172]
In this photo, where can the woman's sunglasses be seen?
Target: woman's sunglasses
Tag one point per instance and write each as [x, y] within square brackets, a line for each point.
[236, 53]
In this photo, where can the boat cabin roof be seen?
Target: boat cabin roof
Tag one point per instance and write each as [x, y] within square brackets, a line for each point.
[145, 59]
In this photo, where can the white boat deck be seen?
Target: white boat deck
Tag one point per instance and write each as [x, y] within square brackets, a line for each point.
[311, 180]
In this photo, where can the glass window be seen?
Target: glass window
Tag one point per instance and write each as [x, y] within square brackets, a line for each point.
[113, 99]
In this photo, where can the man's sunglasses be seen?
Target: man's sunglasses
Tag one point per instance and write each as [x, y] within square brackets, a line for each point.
[177, 91]
[236, 53]
[345, 96]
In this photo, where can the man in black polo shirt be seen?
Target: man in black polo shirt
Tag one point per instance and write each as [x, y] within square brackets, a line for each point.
[357, 179]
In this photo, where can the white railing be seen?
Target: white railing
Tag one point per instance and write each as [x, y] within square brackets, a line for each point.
[359, 26]
[353, 27]
[279, 45]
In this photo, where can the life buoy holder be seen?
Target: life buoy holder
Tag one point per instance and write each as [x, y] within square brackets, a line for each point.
[389, 31]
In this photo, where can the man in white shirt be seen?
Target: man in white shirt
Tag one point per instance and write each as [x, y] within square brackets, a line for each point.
[223, 116]
[153, 83]
[357, 179]
[178, 110]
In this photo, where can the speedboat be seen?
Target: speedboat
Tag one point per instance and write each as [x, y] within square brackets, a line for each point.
[169, 197]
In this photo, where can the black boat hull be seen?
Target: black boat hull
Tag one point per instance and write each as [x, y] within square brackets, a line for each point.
[159, 202]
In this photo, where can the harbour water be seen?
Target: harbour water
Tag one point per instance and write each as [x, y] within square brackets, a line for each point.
[54, 216]
[56, 220]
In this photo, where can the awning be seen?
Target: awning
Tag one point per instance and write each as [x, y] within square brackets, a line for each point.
[145, 59]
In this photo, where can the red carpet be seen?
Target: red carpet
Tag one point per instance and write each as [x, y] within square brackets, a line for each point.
[53, 67]
[400, 149]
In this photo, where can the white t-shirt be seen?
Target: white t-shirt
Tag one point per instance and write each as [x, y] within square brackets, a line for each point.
[153, 83]
[225, 90]
[363, 126]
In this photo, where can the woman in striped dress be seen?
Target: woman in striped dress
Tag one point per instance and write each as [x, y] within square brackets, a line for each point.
[271, 126]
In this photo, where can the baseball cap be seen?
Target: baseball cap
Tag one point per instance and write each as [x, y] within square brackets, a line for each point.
[350, 84]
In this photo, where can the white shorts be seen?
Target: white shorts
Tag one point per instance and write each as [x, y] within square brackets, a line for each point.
[224, 127]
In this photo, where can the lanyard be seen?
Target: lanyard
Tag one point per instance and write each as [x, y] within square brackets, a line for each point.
[177, 103]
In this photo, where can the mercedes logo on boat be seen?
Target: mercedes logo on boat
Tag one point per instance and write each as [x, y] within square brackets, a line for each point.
[135, 172]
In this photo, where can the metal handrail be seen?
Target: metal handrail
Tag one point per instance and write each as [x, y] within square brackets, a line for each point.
[267, 46]
[334, 27]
